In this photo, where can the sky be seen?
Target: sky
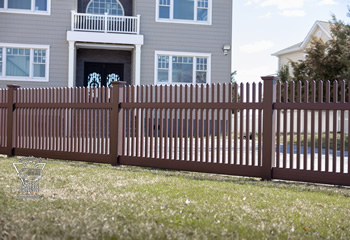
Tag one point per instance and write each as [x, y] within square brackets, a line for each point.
[263, 27]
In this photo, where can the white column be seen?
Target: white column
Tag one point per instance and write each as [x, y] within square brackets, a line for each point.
[71, 64]
[137, 64]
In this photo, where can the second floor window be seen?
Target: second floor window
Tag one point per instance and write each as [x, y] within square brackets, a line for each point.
[25, 6]
[112, 7]
[184, 11]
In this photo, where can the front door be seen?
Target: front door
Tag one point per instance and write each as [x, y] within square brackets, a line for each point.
[102, 74]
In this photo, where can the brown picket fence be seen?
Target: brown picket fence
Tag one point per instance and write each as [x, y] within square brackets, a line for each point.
[269, 130]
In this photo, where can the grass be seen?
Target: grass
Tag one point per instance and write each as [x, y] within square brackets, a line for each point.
[95, 201]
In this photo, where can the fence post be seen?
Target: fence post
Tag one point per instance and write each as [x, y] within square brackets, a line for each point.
[269, 126]
[10, 124]
[116, 136]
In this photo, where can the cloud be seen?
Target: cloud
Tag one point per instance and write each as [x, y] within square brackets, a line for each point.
[257, 46]
[283, 4]
[328, 2]
[250, 2]
[267, 15]
[293, 13]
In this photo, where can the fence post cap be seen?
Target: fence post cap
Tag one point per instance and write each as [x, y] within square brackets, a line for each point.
[118, 83]
[269, 78]
[13, 86]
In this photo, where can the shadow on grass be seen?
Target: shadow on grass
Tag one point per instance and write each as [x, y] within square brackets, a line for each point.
[199, 176]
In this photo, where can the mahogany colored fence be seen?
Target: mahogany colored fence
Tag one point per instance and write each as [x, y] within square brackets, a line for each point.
[216, 128]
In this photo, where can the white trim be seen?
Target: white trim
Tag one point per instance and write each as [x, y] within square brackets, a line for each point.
[137, 65]
[95, 37]
[179, 21]
[71, 63]
[31, 78]
[31, 11]
[286, 51]
[104, 46]
[185, 54]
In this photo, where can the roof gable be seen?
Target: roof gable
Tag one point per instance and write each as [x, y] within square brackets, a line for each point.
[318, 26]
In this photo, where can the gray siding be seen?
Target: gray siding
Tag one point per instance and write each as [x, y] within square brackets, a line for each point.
[45, 30]
[186, 38]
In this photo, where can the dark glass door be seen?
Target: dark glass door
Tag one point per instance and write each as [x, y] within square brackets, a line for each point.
[102, 74]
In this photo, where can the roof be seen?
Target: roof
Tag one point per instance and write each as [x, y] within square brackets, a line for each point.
[324, 26]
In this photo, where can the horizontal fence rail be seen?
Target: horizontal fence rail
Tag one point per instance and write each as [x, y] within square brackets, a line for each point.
[271, 130]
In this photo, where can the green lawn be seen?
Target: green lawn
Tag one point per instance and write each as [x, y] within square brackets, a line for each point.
[95, 201]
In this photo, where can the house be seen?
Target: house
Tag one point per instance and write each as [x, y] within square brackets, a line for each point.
[320, 29]
[66, 43]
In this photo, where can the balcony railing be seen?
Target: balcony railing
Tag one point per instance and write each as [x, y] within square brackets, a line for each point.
[105, 23]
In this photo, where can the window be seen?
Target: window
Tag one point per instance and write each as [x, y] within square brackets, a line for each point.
[184, 11]
[177, 68]
[25, 6]
[24, 62]
[112, 7]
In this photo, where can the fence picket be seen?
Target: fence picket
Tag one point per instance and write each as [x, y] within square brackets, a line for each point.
[235, 127]
[342, 127]
[196, 159]
[212, 125]
[161, 113]
[241, 127]
[312, 144]
[247, 134]
[171, 137]
[253, 152]
[327, 128]
[320, 100]
[285, 113]
[335, 120]
[291, 131]
[306, 100]
[260, 127]
[207, 125]
[298, 125]
[191, 122]
[156, 124]
[186, 157]
[278, 126]
[183, 141]
[218, 124]
[229, 131]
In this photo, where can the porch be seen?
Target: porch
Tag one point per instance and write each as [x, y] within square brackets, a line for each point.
[104, 32]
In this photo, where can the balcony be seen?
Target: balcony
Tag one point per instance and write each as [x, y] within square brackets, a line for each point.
[105, 23]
